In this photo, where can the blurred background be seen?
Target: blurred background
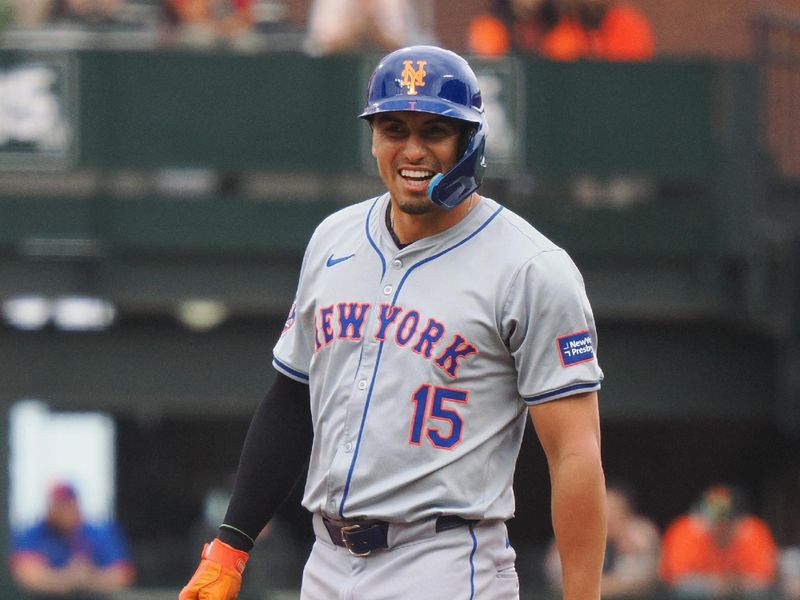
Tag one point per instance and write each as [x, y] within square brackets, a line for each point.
[163, 163]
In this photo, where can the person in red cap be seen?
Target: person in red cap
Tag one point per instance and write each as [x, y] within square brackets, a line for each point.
[65, 557]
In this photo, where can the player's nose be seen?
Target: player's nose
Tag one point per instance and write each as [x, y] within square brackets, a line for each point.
[415, 148]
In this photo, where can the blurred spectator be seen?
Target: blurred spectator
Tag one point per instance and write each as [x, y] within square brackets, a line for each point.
[518, 26]
[563, 30]
[630, 569]
[67, 558]
[31, 12]
[349, 25]
[790, 573]
[92, 12]
[210, 20]
[86, 11]
[632, 547]
[601, 30]
[718, 550]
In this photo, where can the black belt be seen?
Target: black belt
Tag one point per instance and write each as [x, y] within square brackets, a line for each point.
[361, 538]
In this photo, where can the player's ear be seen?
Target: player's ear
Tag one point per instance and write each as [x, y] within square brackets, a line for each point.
[372, 137]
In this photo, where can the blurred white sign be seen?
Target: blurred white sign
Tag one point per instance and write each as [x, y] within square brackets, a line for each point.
[37, 114]
[49, 447]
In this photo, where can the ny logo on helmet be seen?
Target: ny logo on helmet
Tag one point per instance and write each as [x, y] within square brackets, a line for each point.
[413, 78]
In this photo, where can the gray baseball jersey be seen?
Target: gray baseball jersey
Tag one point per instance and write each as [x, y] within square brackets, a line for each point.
[422, 361]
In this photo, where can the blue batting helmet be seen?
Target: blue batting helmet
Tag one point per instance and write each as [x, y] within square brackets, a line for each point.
[433, 80]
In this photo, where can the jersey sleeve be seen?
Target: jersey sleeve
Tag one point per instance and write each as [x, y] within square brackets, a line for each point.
[27, 542]
[295, 347]
[550, 329]
[110, 546]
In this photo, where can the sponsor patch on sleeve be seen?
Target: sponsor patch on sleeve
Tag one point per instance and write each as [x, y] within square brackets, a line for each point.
[575, 348]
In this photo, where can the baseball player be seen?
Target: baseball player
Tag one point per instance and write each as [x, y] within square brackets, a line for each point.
[428, 322]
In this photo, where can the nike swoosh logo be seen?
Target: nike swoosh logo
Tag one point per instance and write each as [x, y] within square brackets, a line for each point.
[335, 261]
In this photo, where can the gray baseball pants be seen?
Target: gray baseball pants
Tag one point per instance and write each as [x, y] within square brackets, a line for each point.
[470, 562]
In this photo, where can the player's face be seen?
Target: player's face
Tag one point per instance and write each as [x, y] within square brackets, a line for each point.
[64, 515]
[410, 148]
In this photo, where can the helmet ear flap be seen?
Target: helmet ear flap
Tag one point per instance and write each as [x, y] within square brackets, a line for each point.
[448, 190]
[467, 134]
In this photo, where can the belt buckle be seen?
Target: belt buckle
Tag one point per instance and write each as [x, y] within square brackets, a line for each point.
[349, 529]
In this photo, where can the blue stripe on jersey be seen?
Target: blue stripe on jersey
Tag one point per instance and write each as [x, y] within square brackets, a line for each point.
[472, 561]
[360, 433]
[380, 347]
[358, 366]
[293, 373]
[371, 241]
[377, 360]
[578, 387]
[443, 252]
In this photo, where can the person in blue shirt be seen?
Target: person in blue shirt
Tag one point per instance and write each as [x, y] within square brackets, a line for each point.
[65, 557]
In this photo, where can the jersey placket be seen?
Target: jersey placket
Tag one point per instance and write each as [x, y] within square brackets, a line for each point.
[363, 388]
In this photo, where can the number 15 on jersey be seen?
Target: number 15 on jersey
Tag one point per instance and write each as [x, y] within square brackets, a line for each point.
[442, 425]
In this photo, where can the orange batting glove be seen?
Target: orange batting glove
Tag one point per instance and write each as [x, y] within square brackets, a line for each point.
[219, 575]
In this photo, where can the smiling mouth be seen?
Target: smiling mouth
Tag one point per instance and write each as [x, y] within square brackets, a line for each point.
[417, 175]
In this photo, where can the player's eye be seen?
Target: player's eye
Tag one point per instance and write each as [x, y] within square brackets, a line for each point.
[391, 128]
[438, 131]
[396, 133]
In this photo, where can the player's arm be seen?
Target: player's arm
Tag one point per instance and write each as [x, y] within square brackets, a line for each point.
[274, 456]
[111, 578]
[569, 431]
[32, 573]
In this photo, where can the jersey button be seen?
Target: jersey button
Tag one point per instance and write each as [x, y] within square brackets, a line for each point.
[348, 447]
[387, 290]
[362, 385]
[397, 263]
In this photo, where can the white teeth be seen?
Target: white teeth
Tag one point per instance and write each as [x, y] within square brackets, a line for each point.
[414, 174]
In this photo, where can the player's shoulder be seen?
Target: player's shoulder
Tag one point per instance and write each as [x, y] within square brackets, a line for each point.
[687, 525]
[519, 236]
[102, 532]
[34, 533]
[753, 525]
[526, 249]
[352, 215]
[342, 224]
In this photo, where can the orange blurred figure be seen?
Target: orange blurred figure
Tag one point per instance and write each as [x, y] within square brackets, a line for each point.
[563, 30]
[717, 550]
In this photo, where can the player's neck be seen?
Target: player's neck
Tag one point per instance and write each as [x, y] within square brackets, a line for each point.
[408, 228]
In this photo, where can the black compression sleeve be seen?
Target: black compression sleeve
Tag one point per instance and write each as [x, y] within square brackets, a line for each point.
[274, 455]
